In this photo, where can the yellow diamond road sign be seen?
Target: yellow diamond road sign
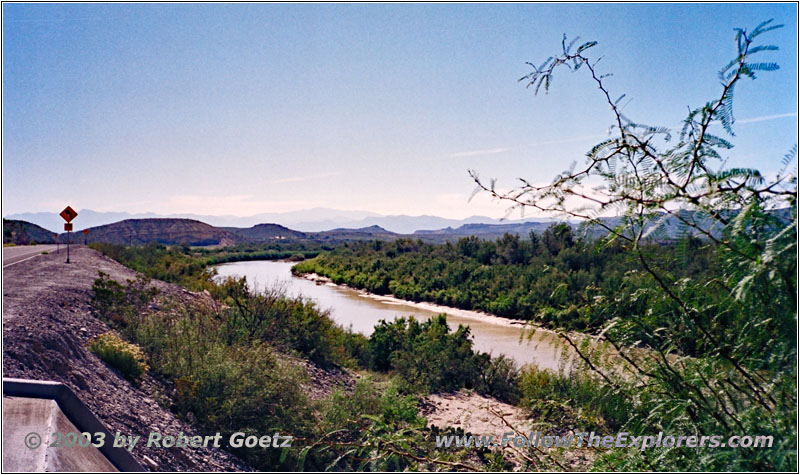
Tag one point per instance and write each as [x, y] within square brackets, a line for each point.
[69, 214]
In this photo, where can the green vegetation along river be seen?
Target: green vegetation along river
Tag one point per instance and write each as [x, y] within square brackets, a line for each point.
[363, 311]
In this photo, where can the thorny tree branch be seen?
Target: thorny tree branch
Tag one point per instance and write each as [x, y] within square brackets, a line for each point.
[649, 186]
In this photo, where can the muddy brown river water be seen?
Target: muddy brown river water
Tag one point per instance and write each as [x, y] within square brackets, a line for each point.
[362, 311]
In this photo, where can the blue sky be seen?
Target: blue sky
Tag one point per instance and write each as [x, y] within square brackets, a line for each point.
[248, 108]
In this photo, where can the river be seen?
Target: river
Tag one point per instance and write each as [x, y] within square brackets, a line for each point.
[361, 312]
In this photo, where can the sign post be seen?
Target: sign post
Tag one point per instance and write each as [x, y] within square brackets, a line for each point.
[86, 237]
[68, 214]
[58, 243]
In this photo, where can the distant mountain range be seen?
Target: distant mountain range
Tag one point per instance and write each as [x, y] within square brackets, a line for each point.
[198, 233]
[310, 220]
[172, 231]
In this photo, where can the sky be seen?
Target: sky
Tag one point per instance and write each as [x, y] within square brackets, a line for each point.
[249, 108]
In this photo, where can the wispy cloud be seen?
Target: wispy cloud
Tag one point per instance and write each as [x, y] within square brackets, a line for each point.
[766, 117]
[474, 153]
[493, 151]
[295, 179]
[581, 138]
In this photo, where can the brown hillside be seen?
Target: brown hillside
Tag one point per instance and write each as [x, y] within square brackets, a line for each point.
[161, 230]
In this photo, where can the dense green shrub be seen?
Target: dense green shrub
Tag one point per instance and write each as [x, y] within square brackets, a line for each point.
[425, 355]
[170, 264]
[572, 399]
[428, 357]
[498, 377]
[292, 324]
[225, 379]
[343, 410]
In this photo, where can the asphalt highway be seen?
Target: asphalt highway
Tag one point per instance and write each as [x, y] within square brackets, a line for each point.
[14, 254]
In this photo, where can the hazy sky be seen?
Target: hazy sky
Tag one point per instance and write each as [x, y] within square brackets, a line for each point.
[241, 109]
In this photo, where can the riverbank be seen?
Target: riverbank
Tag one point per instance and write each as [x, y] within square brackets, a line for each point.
[432, 307]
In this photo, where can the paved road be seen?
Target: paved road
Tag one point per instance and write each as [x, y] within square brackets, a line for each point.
[14, 254]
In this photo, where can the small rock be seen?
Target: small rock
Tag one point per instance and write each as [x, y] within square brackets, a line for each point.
[79, 381]
[149, 462]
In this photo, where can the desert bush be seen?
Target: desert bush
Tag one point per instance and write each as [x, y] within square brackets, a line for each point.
[125, 357]
[498, 377]
[343, 409]
[294, 324]
[572, 398]
[428, 357]
[118, 304]
[157, 261]
[226, 386]
[377, 427]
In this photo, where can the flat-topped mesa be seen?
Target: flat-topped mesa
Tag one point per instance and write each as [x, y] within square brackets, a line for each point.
[167, 231]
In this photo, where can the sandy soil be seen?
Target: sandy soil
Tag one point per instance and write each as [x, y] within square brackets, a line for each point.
[469, 314]
[481, 415]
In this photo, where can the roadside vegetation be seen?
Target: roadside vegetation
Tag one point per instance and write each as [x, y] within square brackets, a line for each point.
[125, 357]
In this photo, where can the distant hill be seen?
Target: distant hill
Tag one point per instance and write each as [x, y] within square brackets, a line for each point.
[327, 220]
[161, 230]
[265, 232]
[276, 232]
[361, 234]
[23, 232]
[484, 231]
[401, 224]
[175, 231]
